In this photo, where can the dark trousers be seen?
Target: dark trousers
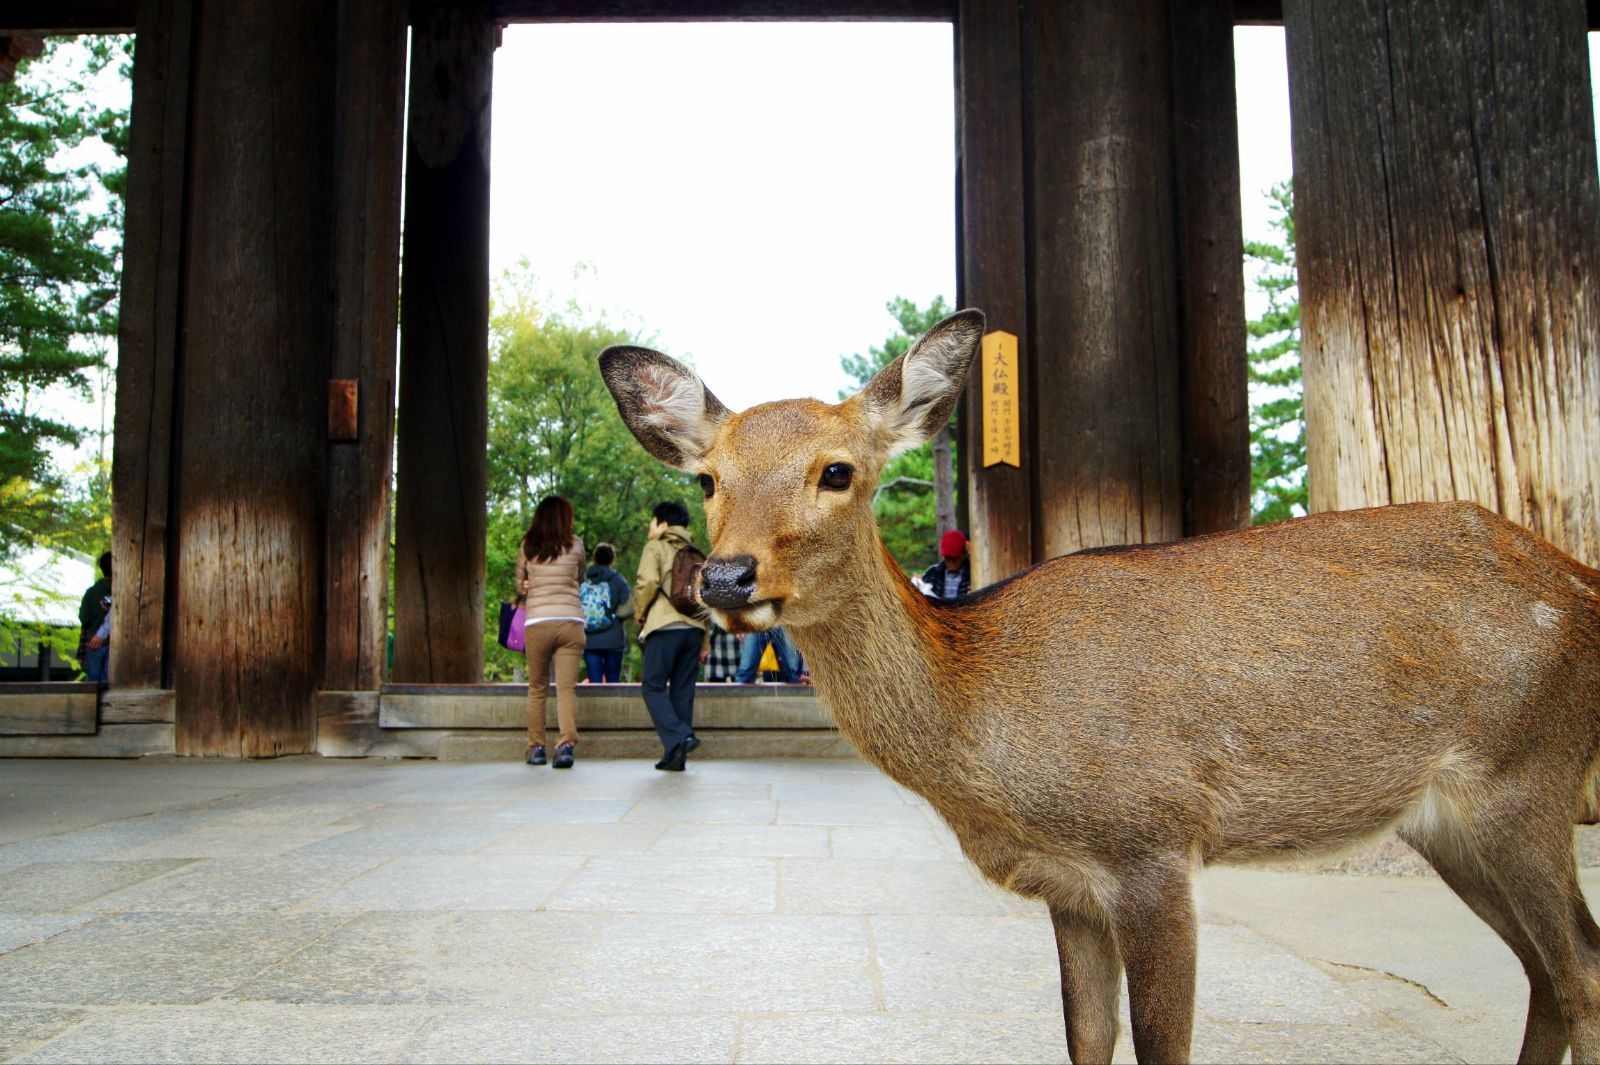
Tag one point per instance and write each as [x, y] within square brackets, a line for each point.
[605, 667]
[671, 662]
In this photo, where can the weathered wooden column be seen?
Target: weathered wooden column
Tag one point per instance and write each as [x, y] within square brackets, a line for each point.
[369, 140]
[1105, 334]
[441, 462]
[1447, 218]
[993, 269]
[1210, 256]
[252, 366]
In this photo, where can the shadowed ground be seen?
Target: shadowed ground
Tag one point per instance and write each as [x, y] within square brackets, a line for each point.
[745, 911]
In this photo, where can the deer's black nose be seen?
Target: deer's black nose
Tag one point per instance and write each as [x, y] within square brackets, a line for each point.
[728, 582]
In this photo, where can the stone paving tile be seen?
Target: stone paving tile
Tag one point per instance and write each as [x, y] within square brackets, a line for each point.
[239, 884]
[287, 814]
[890, 886]
[454, 882]
[843, 812]
[650, 964]
[1243, 978]
[672, 885]
[99, 842]
[911, 1038]
[1314, 1044]
[431, 958]
[60, 887]
[24, 1027]
[516, 1036]
[889, 841]
[834, 789]
[236, 1032]
[233, 841]
[968, 964]
[549, 838]
[566, 811]
[406, 839]
[155, 957]
[448, 814]
[705, 811]
[18, 930]
[751, 841]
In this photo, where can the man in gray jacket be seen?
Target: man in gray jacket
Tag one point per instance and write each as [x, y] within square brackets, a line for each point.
[607, 599]
[674, 645]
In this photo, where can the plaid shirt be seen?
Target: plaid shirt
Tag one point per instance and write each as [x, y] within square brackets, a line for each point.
[723, 661]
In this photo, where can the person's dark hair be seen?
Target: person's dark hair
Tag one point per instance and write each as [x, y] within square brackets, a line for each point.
[105, 563]
[550, 532]
[604, 555]
[671, 513]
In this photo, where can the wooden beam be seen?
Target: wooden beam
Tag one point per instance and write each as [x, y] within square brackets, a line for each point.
[1447, 216]
[507, 11]
[442, 439]
[369, 146]
[1104, 328]
[1210, 254]
[252, 372]
[993, 268]
[148, 336]
[51, 18]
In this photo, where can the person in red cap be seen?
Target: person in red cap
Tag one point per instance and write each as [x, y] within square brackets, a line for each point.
[951, 576]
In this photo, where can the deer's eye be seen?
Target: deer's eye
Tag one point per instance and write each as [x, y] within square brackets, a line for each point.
[836, 478]
[707, 485]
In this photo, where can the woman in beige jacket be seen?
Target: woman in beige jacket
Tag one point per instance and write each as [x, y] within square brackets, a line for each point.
[549, 567]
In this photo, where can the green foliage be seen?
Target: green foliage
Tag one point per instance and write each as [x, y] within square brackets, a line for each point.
[1277, 400]
[905, 506]
[554, 429]
[60, 240]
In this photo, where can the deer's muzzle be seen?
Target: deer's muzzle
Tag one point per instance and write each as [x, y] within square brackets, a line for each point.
[728, 583]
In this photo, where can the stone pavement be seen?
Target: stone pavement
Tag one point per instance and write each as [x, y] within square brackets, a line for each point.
[745, 911]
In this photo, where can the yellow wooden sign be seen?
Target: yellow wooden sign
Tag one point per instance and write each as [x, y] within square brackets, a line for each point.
[1002, 439]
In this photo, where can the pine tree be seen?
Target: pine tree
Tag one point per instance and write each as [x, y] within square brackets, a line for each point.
[1277, 400]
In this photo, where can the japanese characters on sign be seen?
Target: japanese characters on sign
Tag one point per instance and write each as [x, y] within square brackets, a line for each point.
[1001, 430]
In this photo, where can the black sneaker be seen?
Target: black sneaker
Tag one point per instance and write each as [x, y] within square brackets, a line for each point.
[563, 757]
[673, 762]
[691, 743]
[535, 754]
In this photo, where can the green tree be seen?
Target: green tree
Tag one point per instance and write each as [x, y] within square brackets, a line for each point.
[554, 429]
[915, 504]
[1277, 399]
[60, 242]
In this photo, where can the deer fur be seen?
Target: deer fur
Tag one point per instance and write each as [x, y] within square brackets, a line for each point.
[1097, 728]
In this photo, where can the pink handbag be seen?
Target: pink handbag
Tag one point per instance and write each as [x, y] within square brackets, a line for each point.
[517, 635]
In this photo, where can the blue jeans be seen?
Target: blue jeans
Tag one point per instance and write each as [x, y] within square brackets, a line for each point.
[605, 667]
[750, 656]
[97, 664]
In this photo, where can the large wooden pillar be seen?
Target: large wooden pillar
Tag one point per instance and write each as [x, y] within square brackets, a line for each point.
[369, 140]
[252, 365]
[147, 343]
[1100, 224]
[1448, 236]
[442, 470]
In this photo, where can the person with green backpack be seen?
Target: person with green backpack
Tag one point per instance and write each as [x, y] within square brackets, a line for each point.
[606, 599]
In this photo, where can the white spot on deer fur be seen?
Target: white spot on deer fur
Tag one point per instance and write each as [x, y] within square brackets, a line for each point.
[1544, 615]
[1582, 586]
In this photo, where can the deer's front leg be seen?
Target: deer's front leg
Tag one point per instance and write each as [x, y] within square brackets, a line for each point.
[1154, 918]
[1091, 977]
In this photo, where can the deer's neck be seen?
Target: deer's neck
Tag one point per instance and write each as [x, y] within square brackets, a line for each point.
[882, 664]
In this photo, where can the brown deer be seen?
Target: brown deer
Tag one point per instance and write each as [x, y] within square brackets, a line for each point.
[1099, 726]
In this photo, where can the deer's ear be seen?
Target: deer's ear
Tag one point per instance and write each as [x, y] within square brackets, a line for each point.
[911, 398]
[664, 404]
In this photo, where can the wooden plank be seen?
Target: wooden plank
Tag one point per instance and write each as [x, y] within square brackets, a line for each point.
[257, 314]
[1210, 250]
[1104, 325]
[1448, 224]
[47, 713]
[112, 741]
[49, 18]
[147, 342]
[136, 706]
[442, 439]
[506, 11]
[993, 271]
[369, 142]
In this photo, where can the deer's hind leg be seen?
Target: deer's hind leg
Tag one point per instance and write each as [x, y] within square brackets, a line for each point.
[1544, 1038]
[1153, 914]
[1091, 979]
